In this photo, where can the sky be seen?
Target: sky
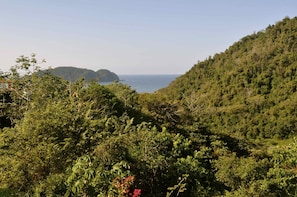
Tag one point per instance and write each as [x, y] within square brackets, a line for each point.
[130, 36]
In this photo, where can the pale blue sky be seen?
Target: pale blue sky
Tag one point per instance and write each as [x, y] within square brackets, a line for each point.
[130, 36]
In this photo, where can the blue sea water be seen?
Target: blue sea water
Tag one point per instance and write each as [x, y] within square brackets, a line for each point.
[147, 83]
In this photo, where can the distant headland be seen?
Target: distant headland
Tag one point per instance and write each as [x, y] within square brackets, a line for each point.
[74, 73]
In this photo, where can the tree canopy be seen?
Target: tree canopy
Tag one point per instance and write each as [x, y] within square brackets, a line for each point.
[225, 128]
[250, 88]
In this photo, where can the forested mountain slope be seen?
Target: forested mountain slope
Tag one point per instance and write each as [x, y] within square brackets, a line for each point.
[250, 88]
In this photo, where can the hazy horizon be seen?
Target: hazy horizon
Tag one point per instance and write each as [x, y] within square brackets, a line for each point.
[130, 37]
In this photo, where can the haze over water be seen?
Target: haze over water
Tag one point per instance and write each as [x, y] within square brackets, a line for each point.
[147, 83]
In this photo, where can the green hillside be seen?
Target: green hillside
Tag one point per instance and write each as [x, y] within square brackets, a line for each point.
[73, 74]
[248, 89]
[226, 128]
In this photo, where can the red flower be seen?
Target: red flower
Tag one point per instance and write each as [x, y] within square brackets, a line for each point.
[136, 193]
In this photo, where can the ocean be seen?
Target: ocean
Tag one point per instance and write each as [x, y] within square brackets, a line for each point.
[147, 83]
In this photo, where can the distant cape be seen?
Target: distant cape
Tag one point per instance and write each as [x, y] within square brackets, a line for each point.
[74, 73]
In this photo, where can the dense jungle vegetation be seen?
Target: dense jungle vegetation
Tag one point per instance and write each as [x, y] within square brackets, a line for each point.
[225, 128]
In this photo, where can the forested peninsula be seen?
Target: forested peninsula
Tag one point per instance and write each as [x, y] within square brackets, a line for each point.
[73, 74]
[227, 127]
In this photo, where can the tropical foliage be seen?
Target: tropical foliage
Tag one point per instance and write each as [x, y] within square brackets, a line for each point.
[250, 89]
[225, 128]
